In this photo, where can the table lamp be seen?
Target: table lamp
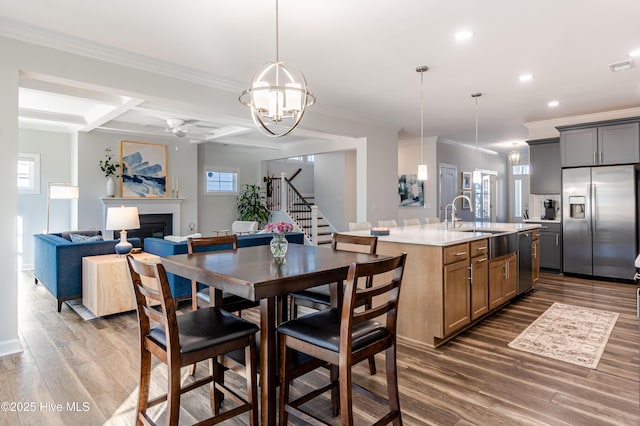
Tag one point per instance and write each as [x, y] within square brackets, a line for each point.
[123, 218]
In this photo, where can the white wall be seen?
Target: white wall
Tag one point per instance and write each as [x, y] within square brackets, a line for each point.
[9, 342]
[219, 211]
[181, 163]
[55, 166]
[335, 188]
[409, 157]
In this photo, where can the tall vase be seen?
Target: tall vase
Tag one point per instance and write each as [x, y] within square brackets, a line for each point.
[279, 246]
[111, 186]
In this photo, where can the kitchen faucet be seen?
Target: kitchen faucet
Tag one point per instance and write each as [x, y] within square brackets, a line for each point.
[454, 217]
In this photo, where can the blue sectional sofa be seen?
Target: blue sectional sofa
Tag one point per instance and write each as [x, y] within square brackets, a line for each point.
[181, 287]
[57, 261]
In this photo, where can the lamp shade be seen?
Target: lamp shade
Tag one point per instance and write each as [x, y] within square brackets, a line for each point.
[122, 218]
[63, 191]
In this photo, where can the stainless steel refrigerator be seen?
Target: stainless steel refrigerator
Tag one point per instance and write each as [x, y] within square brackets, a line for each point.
[599, 231]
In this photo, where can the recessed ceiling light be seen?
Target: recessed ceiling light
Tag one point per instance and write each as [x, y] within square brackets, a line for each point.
[464, 35]
[526, 77]
[634, 53]
[553, 104]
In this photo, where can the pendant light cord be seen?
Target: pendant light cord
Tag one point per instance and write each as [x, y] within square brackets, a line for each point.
[421, 117]
[277, 35]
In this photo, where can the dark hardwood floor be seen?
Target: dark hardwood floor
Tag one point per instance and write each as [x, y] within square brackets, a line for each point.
[90, 368]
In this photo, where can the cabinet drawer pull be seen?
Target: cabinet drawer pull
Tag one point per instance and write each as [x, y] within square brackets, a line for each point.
[484, 259]
[462, 253]
[544, 227]
[557, 240]
[481, 248]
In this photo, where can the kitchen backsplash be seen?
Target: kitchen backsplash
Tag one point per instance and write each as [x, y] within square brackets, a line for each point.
[536, 205]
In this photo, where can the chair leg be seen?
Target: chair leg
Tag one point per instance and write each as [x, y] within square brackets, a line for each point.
[334, 375]
[392, 384]
[251, 361]
[173, 394]
[194, 307]
[214, 395]
[372, 365]
[284, 381]
[346, 407]
[145, 380]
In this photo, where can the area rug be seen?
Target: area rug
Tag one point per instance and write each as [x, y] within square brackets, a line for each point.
[568, 333]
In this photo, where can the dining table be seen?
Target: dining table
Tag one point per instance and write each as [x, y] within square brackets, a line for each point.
[253, 273]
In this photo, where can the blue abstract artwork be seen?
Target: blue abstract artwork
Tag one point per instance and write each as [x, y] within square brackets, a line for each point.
[144, 170]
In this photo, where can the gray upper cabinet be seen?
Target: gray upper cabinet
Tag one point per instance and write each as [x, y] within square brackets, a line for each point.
[619, 144]
[544, 162]
[600, 145]
[579, 147]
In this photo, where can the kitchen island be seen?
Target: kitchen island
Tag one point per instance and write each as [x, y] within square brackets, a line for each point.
[454, 277]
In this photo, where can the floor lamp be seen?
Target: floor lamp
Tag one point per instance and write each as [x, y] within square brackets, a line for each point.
[60, 191]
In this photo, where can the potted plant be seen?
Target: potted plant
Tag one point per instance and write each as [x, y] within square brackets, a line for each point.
[110, 170]
[251, 205]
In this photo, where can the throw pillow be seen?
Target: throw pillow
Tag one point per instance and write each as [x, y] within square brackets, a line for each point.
[79, 238]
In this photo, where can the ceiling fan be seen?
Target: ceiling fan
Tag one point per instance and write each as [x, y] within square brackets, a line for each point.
[178, 126]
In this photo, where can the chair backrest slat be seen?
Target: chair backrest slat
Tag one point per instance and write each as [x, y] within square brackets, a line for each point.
[165, 314]
[196, 245]
[390, 286]
[355, 243]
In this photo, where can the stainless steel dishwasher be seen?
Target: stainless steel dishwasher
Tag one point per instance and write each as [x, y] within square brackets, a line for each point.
[525, 279]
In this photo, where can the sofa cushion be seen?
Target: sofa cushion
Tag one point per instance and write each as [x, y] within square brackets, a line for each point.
[80, 238]
[89, 233]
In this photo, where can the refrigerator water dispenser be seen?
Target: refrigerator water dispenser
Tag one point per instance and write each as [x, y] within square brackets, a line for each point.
[576, 207]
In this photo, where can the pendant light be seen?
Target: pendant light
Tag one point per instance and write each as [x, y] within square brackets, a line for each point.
[477, 176]
[422, 167]
[278, 96]
[514, 156]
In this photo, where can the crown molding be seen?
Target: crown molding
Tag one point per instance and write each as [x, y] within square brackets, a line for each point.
[585, 118]
[37, 35]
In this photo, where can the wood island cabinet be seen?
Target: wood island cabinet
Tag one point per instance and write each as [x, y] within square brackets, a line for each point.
[479, 278]
[535, 257]
[502, 279]
[444, 289]
[457, 292]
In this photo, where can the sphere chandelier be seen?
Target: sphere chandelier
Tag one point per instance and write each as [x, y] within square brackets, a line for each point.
[278, 96]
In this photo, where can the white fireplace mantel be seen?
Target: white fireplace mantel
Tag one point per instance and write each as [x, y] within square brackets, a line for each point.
[148, 206]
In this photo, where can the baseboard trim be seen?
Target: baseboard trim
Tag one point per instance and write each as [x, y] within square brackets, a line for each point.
[9, 347]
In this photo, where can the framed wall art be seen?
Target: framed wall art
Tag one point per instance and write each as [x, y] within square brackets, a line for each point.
[466, 180]
[465, 203]
[410, 190]
[144, 169]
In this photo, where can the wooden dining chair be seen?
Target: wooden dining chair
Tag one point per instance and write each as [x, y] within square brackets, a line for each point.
[200, 295]
[181, 340]
[391, 223]
[359, 226]
[320, 297]
[343, 337]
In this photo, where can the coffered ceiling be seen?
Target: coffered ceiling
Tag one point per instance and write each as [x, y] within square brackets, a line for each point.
[359, 57]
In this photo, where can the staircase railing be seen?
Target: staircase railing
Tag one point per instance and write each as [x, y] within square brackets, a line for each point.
[283, 195]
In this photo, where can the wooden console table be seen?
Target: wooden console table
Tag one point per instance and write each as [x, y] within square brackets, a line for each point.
[106, 288]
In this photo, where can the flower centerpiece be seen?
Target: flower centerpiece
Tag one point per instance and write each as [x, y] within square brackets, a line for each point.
[279, 243]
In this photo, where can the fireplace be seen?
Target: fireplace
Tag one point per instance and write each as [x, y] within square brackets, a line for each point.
[151, 225]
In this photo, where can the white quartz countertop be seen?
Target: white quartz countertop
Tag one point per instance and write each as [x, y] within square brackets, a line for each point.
[541, 221]
[436, 234]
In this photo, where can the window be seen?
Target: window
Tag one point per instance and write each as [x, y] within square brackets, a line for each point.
[521, 169]
[517, 198]
[28, 178]
[221, 181]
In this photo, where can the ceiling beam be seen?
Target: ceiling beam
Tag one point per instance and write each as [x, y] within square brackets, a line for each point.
[97, 118]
